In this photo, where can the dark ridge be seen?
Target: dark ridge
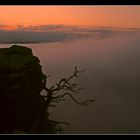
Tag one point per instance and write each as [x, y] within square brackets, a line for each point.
[20, 86]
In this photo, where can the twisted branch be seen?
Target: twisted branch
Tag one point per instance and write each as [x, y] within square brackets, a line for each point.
[65, 84]
[85, 103]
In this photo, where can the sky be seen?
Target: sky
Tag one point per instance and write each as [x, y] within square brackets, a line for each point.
[112, 16]
[41, 24]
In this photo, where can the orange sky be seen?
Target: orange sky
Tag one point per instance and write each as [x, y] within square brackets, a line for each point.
[114, 16]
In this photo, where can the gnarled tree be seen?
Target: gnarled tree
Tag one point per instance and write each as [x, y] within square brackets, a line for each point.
[57, 92]
[65, 87]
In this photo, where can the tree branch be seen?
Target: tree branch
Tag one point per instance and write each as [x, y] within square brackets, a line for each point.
[84, 103]
[65, 84]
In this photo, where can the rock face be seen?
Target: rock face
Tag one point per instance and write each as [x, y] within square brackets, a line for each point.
[17, 64]
[21, 81]
[16, 58]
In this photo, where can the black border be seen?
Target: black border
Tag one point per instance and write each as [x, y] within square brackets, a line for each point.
[70, 2]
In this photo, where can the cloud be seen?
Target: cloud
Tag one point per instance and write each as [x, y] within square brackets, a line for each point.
[53, 33]
[37, 37]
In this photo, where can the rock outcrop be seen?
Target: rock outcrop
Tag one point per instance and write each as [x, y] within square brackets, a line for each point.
[21, 81]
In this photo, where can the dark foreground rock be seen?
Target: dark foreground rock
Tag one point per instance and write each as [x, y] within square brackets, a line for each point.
[21, 81]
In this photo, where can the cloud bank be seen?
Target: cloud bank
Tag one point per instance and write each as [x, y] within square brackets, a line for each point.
[54, 33]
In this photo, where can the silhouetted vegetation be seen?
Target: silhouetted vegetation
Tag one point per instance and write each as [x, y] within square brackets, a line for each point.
[23, 109]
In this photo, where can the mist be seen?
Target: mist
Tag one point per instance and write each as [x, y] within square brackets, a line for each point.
[112, 77]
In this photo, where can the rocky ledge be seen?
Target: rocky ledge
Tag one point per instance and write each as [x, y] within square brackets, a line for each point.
[21, 81]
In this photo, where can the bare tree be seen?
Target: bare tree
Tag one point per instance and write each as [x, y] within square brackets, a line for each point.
[57, 92]
[65, 87]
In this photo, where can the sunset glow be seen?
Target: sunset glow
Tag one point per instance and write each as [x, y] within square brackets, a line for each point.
[114, 16]
[82, 55]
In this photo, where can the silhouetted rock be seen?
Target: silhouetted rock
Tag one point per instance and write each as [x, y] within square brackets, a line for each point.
[20, 85]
